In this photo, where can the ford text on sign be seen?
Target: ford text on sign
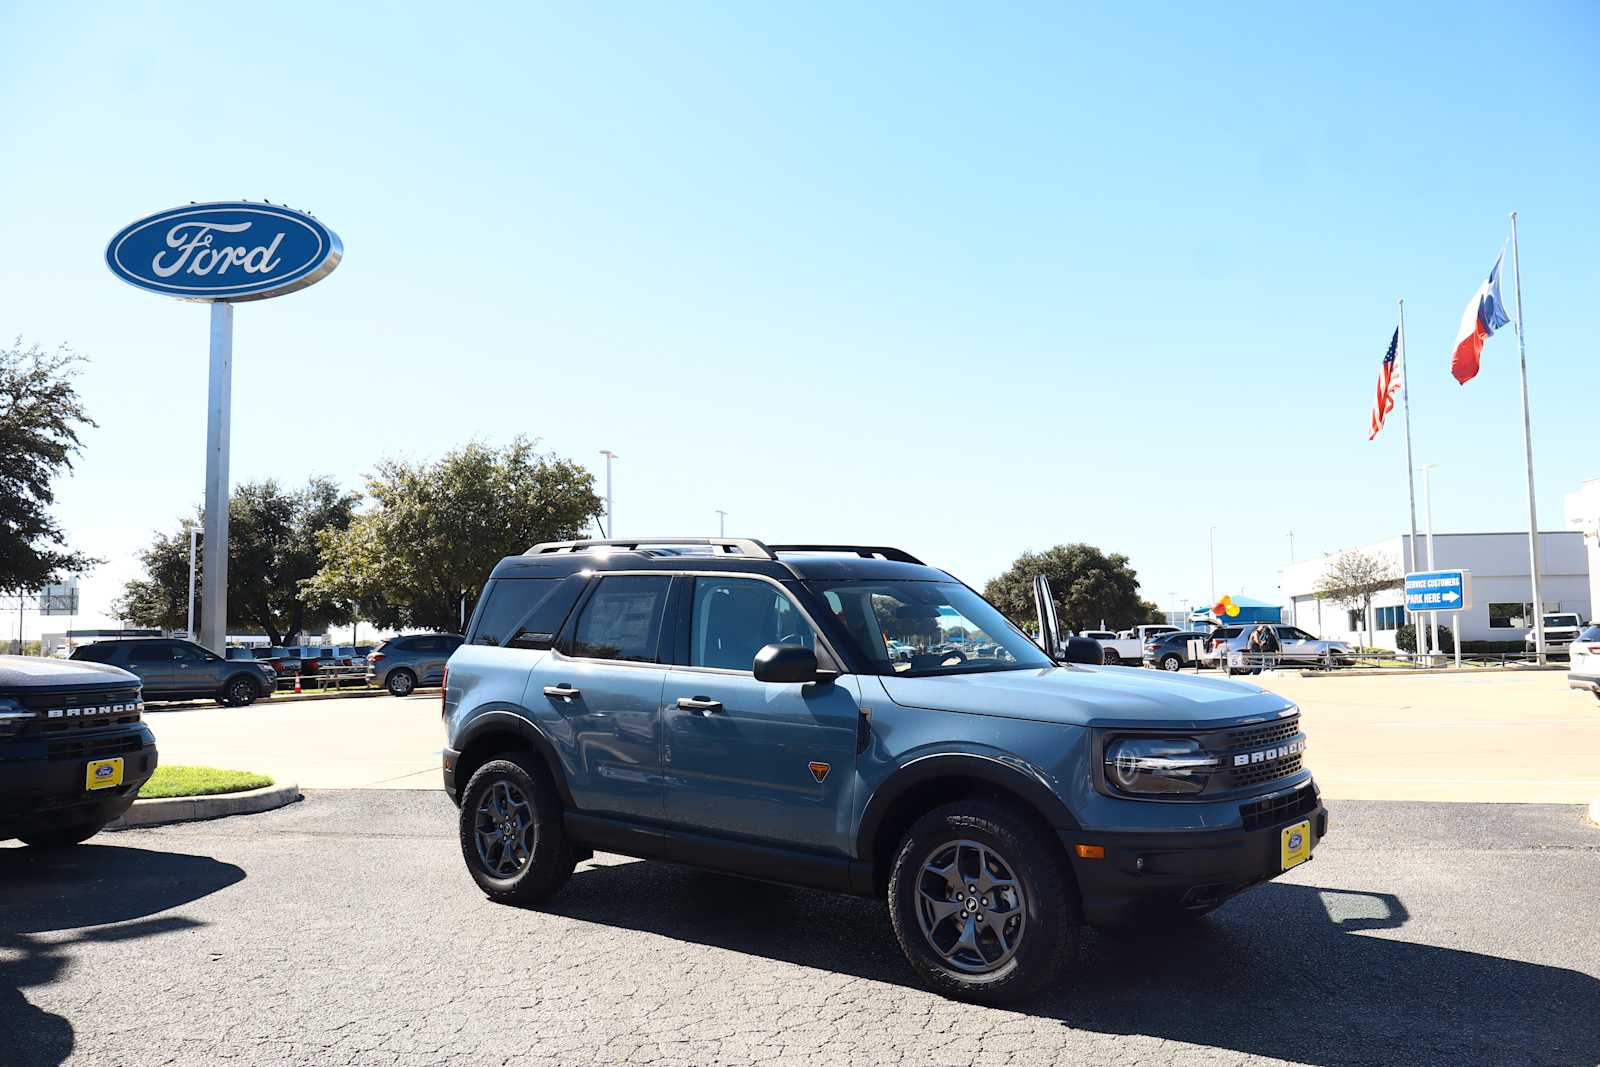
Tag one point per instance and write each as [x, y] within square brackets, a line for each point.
[225, 251]
[1439, 591]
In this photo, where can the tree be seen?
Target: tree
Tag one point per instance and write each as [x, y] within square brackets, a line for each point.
[272, 548]
[437, 529]
[1087, 585]
[1354, 578]
[40, 415]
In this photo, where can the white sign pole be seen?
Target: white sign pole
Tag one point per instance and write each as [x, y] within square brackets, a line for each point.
[1455, 624]
[214, 598]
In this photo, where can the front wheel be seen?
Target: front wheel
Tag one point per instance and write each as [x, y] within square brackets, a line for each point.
[1172, 663]
[61, 836]
[401, 682]
[239, 693]
[982, 902]
[511, 834]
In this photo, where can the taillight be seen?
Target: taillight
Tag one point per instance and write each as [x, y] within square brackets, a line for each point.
[374, 657]
[1594, 650]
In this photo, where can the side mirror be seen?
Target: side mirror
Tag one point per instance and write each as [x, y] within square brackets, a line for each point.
[1081, 650]
[786, 663]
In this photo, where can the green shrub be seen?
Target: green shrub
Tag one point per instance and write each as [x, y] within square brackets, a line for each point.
[1493, 646]
[1405, 639]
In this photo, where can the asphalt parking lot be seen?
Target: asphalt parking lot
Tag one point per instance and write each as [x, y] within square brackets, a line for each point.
[343, 930]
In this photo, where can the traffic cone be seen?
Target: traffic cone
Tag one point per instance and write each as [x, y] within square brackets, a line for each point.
[297, 681]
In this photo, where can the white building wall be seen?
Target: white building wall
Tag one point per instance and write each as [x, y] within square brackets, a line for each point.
[1583, 515]
[1500, 574]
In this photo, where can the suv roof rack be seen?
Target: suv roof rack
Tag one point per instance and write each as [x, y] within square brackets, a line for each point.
[898, 555]
[743, 546]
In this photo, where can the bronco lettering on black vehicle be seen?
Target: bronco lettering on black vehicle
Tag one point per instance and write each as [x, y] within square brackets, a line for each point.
[706, 702]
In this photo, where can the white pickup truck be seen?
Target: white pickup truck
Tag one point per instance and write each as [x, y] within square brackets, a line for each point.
[1127, 645]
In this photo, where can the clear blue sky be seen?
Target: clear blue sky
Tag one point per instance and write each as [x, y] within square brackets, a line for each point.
[961, 278]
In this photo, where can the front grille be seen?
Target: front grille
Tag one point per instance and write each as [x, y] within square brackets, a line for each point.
[44, 703]
[93, 748]
[1253, 736]
[1268, 811]
[1257, 773]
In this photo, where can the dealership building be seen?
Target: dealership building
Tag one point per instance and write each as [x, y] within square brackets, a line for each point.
[1502, 588]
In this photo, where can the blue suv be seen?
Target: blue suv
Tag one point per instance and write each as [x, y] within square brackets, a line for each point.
[847, 718]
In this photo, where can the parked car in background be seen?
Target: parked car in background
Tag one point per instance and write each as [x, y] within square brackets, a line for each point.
[281, 660]
[73, 751]
[171, 669]
[238, 652]
[1171, 651]
[403, 663]
[1294, 646]
[1127, 644]
[1583, 669]
[1560, 631]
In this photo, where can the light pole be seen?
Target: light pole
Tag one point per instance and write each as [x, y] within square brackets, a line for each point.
[611, 516]
[1427, 506]
[1291, 546]
[722, 523]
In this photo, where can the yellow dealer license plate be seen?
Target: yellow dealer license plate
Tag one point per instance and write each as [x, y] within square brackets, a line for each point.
[1296, 843]
[103, 773]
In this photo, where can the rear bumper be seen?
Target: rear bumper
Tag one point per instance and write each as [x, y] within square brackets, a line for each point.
[450, 756]
[38, 791]
[1195, 869]
[1589, 682]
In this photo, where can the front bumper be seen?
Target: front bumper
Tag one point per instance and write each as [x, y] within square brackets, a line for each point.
[41, 789]
[1151, 870]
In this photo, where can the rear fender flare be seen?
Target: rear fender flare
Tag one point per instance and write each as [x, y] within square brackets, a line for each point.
[510, 719]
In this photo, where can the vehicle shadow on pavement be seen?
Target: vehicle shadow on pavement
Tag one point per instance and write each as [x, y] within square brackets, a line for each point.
[103, 892]
[1286, 971]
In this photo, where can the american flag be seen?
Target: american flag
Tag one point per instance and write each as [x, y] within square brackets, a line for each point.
[1390, 382]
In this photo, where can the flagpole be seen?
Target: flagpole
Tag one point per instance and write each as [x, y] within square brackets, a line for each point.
[1527, 451]
[1411, 478]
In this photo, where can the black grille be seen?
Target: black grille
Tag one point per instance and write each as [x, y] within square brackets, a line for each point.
[1268, 811]
[44, 703]
[93, 748]
[1256, 773]
[1253, 736]
[79, 698]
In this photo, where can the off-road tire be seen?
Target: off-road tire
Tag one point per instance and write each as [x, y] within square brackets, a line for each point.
[400, 682]
[550, 856]
[61, 836]
[1050, 907]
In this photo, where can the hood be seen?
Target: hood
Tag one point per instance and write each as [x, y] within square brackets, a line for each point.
[41, 673]
[1091, 696]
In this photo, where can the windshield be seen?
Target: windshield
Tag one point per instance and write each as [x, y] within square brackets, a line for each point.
[1562, 620]
[918, 628]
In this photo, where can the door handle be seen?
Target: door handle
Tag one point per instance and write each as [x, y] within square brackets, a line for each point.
[700, 704]
[563, 691]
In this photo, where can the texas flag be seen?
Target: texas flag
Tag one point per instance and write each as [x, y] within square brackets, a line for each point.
[1484, 315]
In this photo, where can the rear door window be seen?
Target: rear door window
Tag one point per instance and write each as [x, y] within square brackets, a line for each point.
[151, 652]
[622, 620]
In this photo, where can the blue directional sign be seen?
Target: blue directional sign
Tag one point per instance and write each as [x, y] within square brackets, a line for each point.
[1439, 591]
[224, 251]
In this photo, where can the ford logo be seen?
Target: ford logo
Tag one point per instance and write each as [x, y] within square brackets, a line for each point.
[224, 251]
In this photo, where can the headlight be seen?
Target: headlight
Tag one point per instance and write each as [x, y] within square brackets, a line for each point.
[12, 716]
[1152, 765]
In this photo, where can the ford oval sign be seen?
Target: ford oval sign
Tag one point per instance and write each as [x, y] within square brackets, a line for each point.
[225, 251]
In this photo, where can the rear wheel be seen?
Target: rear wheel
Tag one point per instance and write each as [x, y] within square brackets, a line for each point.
[511, 834]
[401, 682]
[1109, 657]
[1172, 662]
[982, 902]
[61, 836]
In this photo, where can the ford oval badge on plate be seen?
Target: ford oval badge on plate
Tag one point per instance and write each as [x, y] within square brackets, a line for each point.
[224, 251]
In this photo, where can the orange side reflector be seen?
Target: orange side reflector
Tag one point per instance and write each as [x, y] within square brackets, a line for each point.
[1090, 852]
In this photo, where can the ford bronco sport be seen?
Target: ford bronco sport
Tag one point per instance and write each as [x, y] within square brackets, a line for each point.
[73, 751]
[729, 705]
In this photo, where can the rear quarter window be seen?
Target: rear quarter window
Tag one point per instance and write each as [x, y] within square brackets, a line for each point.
[524, 612]
[95, 653]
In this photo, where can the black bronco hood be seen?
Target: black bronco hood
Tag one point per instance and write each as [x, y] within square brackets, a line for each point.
[32, 673]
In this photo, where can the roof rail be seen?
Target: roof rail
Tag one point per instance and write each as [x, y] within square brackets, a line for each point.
[897, 555]
[743, 546]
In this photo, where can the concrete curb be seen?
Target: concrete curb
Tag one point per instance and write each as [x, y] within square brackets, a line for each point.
[158, 810]
[158, 706]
